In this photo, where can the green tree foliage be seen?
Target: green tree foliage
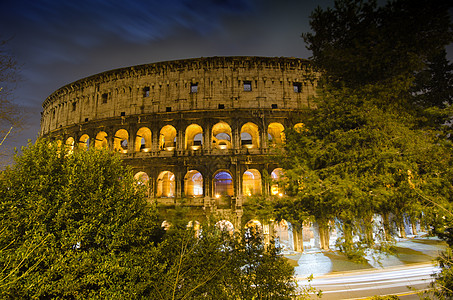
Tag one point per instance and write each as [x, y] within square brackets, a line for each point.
[358, 42]
[354, 160]
[216, 264]
[11, 115]
[73, 226]
[77, 226]
[374, 144]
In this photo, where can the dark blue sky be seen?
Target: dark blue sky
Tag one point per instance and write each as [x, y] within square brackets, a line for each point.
[58, 42]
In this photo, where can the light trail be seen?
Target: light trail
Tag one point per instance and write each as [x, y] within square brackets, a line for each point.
[360, 284]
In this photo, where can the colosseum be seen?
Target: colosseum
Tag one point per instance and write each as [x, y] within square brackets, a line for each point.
[198, 132]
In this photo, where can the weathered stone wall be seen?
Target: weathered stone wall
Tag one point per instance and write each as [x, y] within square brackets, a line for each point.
[220, 81]
[151, 114]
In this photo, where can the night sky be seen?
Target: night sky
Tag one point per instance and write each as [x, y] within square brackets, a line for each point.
[58, 42]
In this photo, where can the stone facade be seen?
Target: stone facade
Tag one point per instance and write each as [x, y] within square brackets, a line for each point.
[198, 132]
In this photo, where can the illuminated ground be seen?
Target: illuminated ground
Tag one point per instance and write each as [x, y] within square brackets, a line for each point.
[409, 251]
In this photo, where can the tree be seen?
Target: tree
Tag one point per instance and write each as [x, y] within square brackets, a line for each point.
[367, 148]
[358, 42]
[73, 226]
[10, 113]
[354, 160]
[213, 263]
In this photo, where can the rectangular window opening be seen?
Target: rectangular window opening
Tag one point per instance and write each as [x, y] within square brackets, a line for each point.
[297, 87]
[168, 109]
[105, 96]
[86, 119]
[247, 86]
[74, 106]
[274, 106]
[194, 87]
[123, 113]
[221, 106]
[146, 91]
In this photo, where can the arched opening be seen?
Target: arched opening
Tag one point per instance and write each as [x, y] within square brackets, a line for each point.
[221, 136]
[284, 235]
[84, 142]
[121, 140]
[166, 185]
[275, 133]
[143, 140]
[142, 178]
[276, 188]
[193, 184]
[70, 144]
[193, 137]
[167, 139]
[223, 184]
[300, 127]
[251, 182]
[253, 228]
[224, 225]
[250, 136]
[101, 140]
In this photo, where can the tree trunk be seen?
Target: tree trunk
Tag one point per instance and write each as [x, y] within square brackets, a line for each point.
[402, 228]
[368, 228]
[324, 235]
[387, 229]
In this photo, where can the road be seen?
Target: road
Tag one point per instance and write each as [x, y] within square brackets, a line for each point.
[366, 283]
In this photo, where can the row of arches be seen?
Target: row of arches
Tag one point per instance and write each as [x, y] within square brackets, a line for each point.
[222, 183]
[221, 137]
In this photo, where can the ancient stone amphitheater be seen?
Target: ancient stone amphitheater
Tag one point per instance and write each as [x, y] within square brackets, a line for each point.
[199, 132]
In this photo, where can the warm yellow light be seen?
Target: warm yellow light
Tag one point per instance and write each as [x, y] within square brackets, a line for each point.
[195, 147]
[146, 149]
[280, 195]
[217, 195]
[170, 148]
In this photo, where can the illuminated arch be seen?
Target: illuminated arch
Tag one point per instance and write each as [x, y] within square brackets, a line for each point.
[121, 141]
[142, 178]
[275, 133]
[193, 184]
[300, 127]
[101, 140]
[193, 137]
[251, 182]
[253, 227]
[250, 136]
[225, 225]
[143, 140]
[84, 142]
[276, 175]
[166, 185]
[221, 136]
[223, 184]
[167, 139]
[70, 144]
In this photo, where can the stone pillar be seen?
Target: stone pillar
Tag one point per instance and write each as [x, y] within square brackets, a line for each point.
[236, 138]
[179, 184]
[155, 134]
[131, 141]
[179, 139]
[207, 133]
[298, 238]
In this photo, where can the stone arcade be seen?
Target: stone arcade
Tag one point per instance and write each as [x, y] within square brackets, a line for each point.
[198, 132]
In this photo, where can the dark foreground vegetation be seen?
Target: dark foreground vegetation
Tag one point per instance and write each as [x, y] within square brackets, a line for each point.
[77, 226]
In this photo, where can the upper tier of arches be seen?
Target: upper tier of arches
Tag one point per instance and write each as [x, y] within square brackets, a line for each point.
[220, 136]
